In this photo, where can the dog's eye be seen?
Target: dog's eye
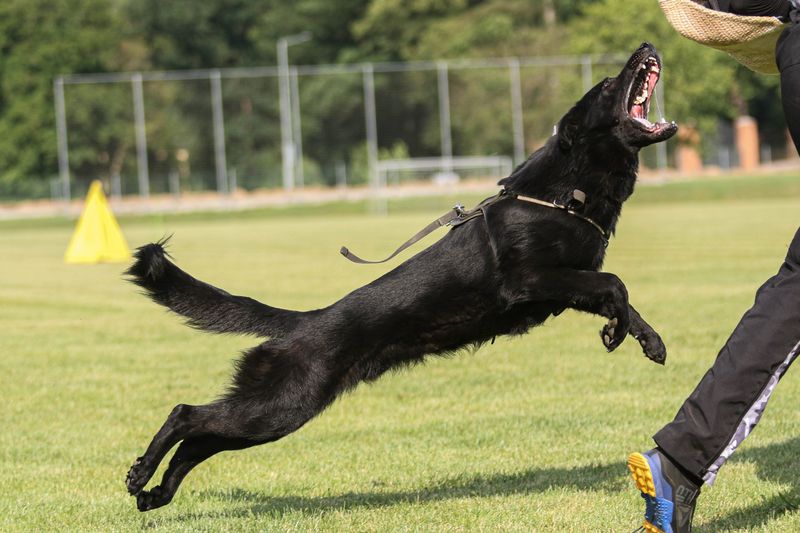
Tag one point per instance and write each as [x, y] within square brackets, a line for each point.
[607, 83]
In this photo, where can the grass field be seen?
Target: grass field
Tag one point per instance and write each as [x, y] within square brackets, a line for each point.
[527, 434]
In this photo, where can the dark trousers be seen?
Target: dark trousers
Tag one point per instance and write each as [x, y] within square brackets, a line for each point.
[730, 399]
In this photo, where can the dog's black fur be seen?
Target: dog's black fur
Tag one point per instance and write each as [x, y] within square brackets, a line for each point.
[499, 275]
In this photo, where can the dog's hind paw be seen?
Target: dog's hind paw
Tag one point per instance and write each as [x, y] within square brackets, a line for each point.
[138, 476]
[147, 500]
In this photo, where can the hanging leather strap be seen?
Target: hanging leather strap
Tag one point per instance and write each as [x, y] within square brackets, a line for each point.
[443, 220]
[455, 217]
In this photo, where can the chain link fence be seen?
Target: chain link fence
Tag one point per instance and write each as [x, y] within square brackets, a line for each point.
[290, 126]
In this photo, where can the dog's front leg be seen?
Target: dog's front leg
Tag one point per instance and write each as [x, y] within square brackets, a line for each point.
[651, 342]
[600, 293]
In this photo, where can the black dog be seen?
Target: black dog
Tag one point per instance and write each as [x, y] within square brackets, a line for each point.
[501, 273]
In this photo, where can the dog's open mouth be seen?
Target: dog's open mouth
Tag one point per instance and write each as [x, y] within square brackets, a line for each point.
[640, 93]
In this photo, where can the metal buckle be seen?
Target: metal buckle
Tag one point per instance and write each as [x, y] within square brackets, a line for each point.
[459, 209]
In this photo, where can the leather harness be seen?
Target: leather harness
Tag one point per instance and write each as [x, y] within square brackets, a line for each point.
[458, 215]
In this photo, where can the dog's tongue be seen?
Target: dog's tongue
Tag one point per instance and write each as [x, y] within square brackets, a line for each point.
[638, 110]
[652, 80]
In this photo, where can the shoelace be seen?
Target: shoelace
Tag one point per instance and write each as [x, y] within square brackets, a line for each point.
[656, 513]
[650, 508]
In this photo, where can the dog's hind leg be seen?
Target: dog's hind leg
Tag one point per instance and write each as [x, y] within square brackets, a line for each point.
[236, 426]
[183, 421]
[274, 394]
[191, 452]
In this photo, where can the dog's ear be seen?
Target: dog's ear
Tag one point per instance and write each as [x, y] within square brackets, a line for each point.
[567, 131]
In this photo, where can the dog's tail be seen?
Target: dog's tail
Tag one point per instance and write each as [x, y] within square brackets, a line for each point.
[204, 306]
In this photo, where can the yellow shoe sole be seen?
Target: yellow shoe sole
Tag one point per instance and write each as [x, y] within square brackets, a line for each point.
[643, 479]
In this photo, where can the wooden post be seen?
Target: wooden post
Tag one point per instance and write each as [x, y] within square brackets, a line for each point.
[747, 142]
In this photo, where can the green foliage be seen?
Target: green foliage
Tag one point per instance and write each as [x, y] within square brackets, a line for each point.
[40, 39]
[184, 34]
[392, 29]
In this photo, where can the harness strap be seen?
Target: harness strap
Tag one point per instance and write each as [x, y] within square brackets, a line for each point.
[443, 220]
[554, 205]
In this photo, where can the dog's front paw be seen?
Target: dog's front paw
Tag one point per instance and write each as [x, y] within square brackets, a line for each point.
[147, 500]
[614, 333]
[653, 347]
[138, 476]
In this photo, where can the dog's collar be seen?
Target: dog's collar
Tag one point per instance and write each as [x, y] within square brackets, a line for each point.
[579, 196]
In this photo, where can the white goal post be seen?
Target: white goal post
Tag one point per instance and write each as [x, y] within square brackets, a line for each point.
[443, 170]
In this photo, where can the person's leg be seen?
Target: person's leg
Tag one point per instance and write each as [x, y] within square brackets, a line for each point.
[787, 55]
[729, 400]
[727, 403]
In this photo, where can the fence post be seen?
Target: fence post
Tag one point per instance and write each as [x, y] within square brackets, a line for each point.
[219, 131]
[661, 148]
[586, 71]
[141, 135]
[444, 117]
[516, 110]
[287, 145]
[371, 124]
[297, 127]
[116, 186]
[233, 180]
[175, 183]
[61, 133]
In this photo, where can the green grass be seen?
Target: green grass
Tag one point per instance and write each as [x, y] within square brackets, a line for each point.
[737, 187]
[528, 434]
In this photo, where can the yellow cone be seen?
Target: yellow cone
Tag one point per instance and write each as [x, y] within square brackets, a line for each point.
[97, 238]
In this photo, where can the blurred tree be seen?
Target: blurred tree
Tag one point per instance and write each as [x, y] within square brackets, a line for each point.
[760, 97]
[329, 21]
[183, 34]
[40, 39]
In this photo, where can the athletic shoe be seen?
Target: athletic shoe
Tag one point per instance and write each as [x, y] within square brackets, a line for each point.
[669, 496]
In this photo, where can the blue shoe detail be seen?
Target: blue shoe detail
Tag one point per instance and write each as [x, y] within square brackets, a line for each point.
[656, 491]
[663, 489]
[662, 516]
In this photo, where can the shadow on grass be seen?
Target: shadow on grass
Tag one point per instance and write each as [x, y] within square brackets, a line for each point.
[778, 462]
[608, 477]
